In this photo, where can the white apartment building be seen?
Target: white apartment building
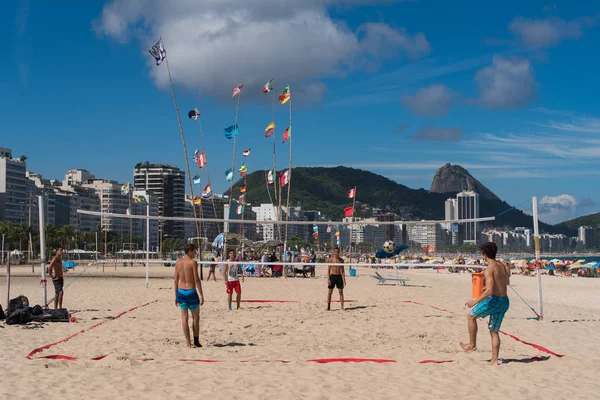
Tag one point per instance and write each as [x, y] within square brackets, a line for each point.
[13, 188]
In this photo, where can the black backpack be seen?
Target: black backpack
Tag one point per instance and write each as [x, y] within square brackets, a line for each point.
[17, 303]
[2, 316]
[20, 316]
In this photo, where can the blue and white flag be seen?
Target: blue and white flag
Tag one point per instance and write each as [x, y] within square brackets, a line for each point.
[229, 175]
[197, 180]
[158, 52]
[231, 131]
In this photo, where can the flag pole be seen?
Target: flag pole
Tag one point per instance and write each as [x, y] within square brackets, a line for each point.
[207, 175]
[352, 217]
[278, 210]
[289, 185]
[244, 206]
[232, 170]
[185, 153]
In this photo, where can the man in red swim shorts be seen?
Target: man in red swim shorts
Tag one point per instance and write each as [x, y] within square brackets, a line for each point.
[233, 272]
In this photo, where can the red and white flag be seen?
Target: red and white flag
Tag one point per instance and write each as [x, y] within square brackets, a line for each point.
[349, 211]
[237, 90]
[200, 158]
[351, 193]
[246, 153]
[284, 178]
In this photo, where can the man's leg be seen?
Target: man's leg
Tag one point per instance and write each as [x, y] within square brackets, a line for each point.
[229, 298]
[186, 327]
[472, 345]
[60, 299]
[341, 298]
[495, 347]
[329, 299]
[196, 326]
[56, 295]
[238, 298]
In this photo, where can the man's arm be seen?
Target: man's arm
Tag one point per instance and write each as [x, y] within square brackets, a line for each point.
[51, 267]
[329, 274]
[176, 281]
[343, 273]
[198, 282]
[225, 268]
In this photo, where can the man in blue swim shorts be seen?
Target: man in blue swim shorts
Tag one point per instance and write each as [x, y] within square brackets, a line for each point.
[493, 302]
[186, 298]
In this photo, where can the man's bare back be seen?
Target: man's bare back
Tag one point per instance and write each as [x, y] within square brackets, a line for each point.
[499, 275]
[187, 271]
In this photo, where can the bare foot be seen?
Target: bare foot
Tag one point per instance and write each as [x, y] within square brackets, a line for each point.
[468, 347]
[495, 363]
[189, 345]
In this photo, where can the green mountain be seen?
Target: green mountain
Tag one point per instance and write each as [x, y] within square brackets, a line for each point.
[325, 189]
[591, 220]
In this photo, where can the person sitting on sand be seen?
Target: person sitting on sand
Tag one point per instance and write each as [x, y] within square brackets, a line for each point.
[493, 302]
[186, 281]
[336, 277]
[232, 274]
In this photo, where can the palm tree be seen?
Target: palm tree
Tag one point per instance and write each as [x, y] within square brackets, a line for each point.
[22, 236]
[51, 233]
[6, 232]
[66, 236]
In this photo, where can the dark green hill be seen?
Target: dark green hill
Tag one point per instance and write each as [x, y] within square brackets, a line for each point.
[324, 189]
[591, 220]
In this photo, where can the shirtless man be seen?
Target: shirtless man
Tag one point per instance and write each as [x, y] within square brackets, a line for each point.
[336, 277]
[55, 269]
[493, 302]
[186, 281]
[232, 273]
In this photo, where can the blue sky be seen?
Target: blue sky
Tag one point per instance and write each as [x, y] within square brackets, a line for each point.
[507, 90]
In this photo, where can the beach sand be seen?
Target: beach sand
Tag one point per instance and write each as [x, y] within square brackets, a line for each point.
[378, 323]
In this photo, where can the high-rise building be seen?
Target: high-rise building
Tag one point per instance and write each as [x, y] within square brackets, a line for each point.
[13, 188]
[266, 212]
[425, 235]
[467, 207]
[112, 200]
[587, 237]
[139, 225]
[167, 182]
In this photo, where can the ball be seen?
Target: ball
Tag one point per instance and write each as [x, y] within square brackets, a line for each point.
[389, 246]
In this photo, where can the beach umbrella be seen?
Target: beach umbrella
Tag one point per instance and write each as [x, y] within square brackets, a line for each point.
[383, 254]
[69, 264]
[550, 267]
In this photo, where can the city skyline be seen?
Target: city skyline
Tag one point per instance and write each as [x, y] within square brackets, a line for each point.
[510, 98]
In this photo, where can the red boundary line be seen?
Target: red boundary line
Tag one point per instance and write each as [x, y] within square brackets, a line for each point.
[536, 346]
[40, 349]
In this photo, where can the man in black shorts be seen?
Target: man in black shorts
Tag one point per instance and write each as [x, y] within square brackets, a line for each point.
[55, 269]
[336, 277]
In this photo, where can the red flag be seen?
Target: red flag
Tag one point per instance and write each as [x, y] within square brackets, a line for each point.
[351, 193]
[242, 174]
[237, 90]
[349, 211]
[243, 189]
[284, 178]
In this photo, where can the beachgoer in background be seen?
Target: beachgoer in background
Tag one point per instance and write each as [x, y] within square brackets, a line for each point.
[493, 302]
[211, 270]
[55, 269]
[232, 273]
[186, 281]
[336, 277]
[288, 267]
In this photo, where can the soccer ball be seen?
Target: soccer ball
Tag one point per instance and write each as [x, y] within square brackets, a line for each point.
[389, 246]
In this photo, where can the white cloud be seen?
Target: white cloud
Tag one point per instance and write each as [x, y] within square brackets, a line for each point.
[214, 44]
[585, 125]
[551, 31]
[434, 100]
[564, 206]
[507, 83]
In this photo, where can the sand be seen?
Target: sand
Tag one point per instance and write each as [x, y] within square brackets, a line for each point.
[377, 324]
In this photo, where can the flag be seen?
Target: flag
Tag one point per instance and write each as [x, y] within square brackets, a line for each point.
[138, 199]
[315, 235]
[285, 95]
[328, 228]
[243, 168]
[196, 180]
[158, 52]
[207, 192]
[243, 189]
[349, 211]
[284, 178]
[287, 134]
[241, 200]
[351, 193]
[231, 131]
[270, 177]
[125, 189]
[229, 175]
[242, 174]
[315, 228]
[268, 87]
[246, 153]
[197, 200]
[200, 158]
[240, 209]
[194, 114]
[270, 129]
[127, 212]
[237, 90]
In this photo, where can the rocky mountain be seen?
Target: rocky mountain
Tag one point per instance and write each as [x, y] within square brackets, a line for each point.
[325, 189]
[454, 179]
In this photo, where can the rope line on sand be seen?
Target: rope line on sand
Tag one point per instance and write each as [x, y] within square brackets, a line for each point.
[40, 349]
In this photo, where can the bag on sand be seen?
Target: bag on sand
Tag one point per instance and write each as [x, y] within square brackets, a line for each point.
[36, 310]
[17, 303]
[20, 316]
[2, 316]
